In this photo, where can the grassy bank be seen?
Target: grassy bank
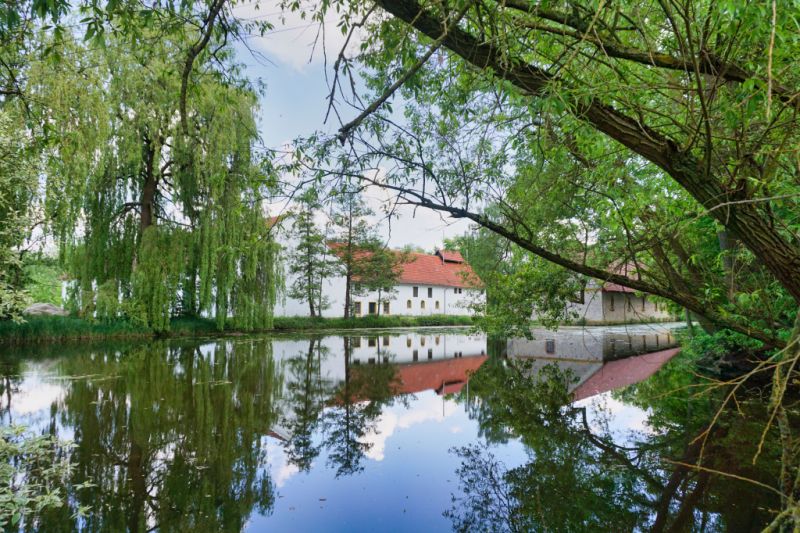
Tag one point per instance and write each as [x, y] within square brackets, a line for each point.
[47, 329]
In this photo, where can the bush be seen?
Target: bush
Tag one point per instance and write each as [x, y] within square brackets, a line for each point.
[33, 472]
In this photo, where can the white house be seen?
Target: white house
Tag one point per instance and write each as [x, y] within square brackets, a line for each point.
[428, 284]
[609, 303]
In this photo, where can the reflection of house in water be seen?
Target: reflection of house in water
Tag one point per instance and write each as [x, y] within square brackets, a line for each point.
[414, 347]
[419, 362]
[600, 359]
[421, 358]
[446, 376]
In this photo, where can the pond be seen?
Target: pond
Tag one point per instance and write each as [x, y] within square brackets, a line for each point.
[583, 429]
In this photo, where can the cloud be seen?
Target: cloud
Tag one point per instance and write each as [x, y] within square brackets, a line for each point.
[281, 470]
[296, 40]
[621, 419]
[426, 409]
[35, 395]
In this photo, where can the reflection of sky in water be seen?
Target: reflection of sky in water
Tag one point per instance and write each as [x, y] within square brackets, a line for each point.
[621, 421]
[406, 484]
[409, 476]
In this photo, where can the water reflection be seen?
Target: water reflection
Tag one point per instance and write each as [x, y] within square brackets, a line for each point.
[319, 432]
[585, 472]
[598, 359]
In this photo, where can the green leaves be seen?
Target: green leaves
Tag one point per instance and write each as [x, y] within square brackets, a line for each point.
[33, 472]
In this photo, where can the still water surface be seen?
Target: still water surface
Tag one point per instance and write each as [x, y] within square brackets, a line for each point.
[579, 430]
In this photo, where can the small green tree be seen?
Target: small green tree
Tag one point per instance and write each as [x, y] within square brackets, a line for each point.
[354, 237]
[379, 271]
[310, 263]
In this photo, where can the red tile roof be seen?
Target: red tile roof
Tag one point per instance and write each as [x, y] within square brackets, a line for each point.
[427, 269]
[273, 221]
[613, 287]
[623, 372]
[445, 376]
[624, 269]
[450, 257]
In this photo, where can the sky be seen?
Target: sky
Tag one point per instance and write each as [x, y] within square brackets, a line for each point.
[295, 102]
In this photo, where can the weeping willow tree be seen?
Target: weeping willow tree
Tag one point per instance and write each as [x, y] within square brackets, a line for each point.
[17, 193]
[156, 216]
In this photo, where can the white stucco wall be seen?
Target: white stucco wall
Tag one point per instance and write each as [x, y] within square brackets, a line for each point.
[628, 307]
[591, 309]
[442, 300]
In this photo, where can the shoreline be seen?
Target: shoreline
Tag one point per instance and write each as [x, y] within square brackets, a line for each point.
[56, 329]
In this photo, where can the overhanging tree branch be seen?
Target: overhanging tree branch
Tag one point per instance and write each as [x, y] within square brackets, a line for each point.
[748, 221]
[684, 299]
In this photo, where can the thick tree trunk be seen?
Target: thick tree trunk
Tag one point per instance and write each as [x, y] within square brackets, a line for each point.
[148, 195]
[137, 486]
[747, 221]
[349, 263]
[309, 274]
[727, 244]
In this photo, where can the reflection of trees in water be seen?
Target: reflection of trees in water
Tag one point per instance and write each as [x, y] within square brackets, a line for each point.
[577, 478]
[171, 436]
[356, 404]
[10, 379]
[335, 416]
[306, 393]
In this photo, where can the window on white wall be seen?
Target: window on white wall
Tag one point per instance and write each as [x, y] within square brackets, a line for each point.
[437, 304]
[385, 308]
[357, 308]
[408, 304]
[430, 292]
[422, 304]
[415, 291]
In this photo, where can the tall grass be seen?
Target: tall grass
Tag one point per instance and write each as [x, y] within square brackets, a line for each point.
[48, 329]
